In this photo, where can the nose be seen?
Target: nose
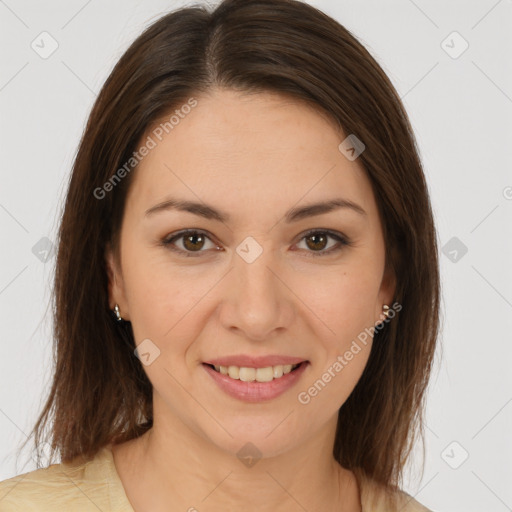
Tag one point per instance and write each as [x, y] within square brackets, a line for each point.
[257, 301]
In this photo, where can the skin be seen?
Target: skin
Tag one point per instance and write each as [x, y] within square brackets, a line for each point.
[253, 156]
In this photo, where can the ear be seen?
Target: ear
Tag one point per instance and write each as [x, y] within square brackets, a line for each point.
[386, 292]
[116, 292]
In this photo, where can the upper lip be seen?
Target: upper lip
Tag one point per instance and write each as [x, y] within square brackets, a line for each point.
[254, 361]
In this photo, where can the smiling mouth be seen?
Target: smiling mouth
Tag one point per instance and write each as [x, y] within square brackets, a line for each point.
[247, 374]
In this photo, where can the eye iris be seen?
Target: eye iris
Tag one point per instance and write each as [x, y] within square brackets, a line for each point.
[196, 237]
[316, 237]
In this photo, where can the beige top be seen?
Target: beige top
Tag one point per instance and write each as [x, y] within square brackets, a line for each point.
[95, 486]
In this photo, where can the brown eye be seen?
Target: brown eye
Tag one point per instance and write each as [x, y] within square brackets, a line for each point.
[316, 242]
[192, 241]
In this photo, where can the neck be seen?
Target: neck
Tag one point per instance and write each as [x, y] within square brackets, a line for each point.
[172, 465]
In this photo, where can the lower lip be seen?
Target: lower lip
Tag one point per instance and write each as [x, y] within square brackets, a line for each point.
[256, 391]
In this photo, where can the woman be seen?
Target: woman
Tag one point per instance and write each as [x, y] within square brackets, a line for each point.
[247, 287]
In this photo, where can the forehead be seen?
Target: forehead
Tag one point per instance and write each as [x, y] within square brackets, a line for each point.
[246, 150]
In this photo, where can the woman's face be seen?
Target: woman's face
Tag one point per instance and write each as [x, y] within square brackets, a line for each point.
[256, 277]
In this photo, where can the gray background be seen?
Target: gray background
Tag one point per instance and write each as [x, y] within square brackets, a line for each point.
[461, 109]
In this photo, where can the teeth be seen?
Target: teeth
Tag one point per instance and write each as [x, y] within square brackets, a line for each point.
[256, 374]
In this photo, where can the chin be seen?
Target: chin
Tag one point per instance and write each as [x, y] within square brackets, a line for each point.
[252, 442]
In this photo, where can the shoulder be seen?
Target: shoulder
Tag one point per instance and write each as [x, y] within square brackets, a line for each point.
[377, 498]
[81, 486]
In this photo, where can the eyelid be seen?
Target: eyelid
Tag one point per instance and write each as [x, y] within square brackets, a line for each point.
[168, 241]
[342, 240]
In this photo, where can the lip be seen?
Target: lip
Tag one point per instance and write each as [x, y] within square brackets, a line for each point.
[256, 391]
[254, 361]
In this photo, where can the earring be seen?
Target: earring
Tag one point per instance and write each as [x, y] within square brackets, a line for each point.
[118, 314]
[385, 311]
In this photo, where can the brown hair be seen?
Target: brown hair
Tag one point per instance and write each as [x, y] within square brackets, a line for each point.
[100, 393]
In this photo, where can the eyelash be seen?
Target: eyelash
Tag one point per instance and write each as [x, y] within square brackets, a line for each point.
[342, 241]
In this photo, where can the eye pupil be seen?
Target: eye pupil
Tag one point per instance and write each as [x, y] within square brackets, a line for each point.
[194, 236]
[316, 237]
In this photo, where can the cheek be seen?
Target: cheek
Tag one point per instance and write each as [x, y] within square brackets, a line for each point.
[344, 300]
[346, 309]
[166, 301]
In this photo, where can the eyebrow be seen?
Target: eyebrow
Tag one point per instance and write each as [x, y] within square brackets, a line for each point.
[292, 215]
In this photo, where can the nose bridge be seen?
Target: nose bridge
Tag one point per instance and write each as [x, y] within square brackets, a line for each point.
[252, 270]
